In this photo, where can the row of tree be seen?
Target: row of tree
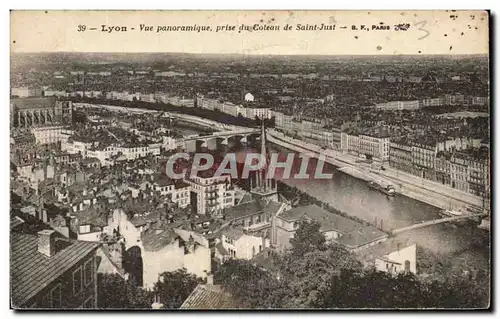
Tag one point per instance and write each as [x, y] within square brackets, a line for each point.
[315, 274]
[214, 115]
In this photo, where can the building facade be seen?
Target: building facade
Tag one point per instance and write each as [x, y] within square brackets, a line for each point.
[423, 159]
[211, 194]
[430, 102]
[40, 111]
[22, 92]
[400, 156]
[398, 105]
[165, 250]
[51, 134]
[374, 145]
[48, 271]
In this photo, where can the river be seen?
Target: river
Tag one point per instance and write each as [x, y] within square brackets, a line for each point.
[466, 246]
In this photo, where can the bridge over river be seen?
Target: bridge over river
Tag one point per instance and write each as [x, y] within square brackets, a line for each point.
[222, 137]
[435, 222]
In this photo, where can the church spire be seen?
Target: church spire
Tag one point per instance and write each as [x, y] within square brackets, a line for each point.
[264, 186]
[263, 151]
[263, 154]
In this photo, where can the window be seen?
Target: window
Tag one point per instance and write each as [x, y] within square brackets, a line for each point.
[87, 272]
[89, 303]
[56, 296]
[407, 265]
[52, 299]
[46, 302]
[77, 280]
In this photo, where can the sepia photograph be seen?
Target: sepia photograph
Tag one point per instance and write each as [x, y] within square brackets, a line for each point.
[250, 160]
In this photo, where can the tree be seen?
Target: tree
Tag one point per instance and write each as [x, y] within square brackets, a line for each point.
[110, 292]
[174, 287]
[250, 285]
[138, 298]
[309, 275]
[307, 237]
[317, 274]
[116, 293]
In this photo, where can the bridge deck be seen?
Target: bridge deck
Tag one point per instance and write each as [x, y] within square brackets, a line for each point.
[222, 134]
[435, 222]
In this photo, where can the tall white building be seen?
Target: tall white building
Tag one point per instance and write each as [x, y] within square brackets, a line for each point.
[260, 112]
[398, 105]
[51, 134]
[375, 144]
[209, 193]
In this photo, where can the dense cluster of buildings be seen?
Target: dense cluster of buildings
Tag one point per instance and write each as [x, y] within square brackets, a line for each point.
[157, 97]
[372, 142]
[101, 202]
[101, 192]
[463, 164]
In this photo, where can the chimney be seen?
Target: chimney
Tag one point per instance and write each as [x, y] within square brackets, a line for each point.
[210, 280]
[46, 242]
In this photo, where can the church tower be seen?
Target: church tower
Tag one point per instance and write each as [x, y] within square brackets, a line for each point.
[264, 188]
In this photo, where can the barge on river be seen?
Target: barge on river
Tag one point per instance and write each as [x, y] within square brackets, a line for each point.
[388, 190]
[374, 181]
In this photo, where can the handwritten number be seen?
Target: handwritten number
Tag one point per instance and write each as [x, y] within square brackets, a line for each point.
[81, 28]
[401, 26]
[421, 28]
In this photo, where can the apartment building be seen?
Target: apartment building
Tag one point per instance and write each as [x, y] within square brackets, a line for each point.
[234, 242]
[375, 145]
[454, 99]
[372, 143]
[51, 134]
[23, 92]
[210, 194]
[398, 105]
[429, 102]
[179, 191]
[400, 156]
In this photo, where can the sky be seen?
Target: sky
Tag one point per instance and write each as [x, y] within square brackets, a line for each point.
[429, 32]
